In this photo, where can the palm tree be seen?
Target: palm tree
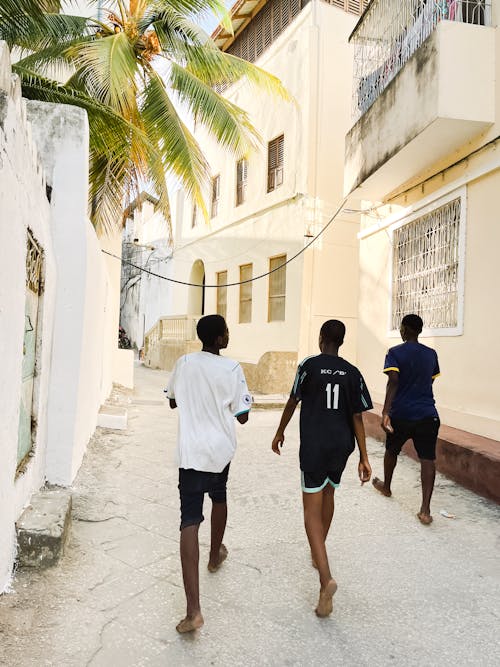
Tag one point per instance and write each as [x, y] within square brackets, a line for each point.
[131, 71]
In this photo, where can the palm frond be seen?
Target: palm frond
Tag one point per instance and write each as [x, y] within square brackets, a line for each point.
[180, 152]
[110, 69]
[36, 31]
[225, 121]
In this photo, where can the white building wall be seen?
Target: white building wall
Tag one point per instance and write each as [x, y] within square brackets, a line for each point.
[23, 205]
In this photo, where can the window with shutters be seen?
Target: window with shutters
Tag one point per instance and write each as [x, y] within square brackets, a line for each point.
[277, 288]
[275, 163]
[427, 268]
[222, 293]
[214, 209]
[241, 181]
[270, 22]
[246, 272]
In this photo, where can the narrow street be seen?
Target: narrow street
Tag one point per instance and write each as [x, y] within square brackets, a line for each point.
[408, 594]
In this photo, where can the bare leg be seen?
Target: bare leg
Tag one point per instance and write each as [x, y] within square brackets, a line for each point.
[328, 508]
[390, 461]
[313, 520]
[218, 551]
[326, 513]
[427, 475]
[190, 555]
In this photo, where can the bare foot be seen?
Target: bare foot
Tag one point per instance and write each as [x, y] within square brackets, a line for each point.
[189, 624]
[325, 602]
[426, 519]
[379, 485]
[213, 567]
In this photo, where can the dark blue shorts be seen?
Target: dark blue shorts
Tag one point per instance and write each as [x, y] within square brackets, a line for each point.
[423, 432]
[193, 484]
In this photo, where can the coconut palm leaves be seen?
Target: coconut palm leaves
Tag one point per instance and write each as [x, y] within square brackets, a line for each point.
[131, 71]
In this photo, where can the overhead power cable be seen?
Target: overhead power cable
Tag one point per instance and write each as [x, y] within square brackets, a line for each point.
[240, 282]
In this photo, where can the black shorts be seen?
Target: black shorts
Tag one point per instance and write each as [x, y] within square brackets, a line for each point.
[423, 432]
[313, 482]
[193, 484]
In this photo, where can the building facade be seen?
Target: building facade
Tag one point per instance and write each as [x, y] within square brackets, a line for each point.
[267, 207]
[422, 161]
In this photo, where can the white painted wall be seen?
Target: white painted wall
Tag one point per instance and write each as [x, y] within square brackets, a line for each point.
[145, 298]
[23, 204]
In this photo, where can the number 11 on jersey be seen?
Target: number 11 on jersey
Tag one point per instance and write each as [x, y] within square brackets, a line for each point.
[329, 393]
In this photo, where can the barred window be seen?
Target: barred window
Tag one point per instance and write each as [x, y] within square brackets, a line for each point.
[222, 293]
[215, 196]
[426, 268]
[241, 181]
[277, 289]
[275, 162]
[246, 272]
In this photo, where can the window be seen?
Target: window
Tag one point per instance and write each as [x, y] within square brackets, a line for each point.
[426, 277]
[275, 151]
[215, 196]
[194, 216]
[277, 289]
[241, 181]
[246, 272]
[222, 293]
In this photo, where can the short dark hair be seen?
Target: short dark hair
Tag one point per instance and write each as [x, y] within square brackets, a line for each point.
[413, 322]
[210, 327]
[333, 331]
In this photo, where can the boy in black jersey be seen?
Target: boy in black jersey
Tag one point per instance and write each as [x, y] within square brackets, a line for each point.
[333, 396]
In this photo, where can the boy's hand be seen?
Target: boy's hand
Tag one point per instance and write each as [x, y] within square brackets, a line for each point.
[364, 471]
[278, 441]
[386, 424]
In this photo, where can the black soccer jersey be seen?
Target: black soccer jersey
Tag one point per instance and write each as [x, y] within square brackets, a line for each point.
[331, 390]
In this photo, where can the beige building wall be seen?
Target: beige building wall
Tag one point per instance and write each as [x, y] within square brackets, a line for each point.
[466, 392]
[314, 61]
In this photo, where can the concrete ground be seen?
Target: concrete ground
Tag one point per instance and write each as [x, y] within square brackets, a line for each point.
[408, 594]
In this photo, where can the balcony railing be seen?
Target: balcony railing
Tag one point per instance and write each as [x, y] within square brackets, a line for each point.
[391, 31]
[175, 328]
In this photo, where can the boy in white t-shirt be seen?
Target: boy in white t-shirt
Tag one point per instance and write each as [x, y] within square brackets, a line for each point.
[210, 392]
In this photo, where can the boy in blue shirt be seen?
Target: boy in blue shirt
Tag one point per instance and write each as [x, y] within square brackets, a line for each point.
[409, 411]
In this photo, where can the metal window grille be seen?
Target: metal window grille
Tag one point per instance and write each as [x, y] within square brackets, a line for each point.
[246, 271]
[426, 268]
[277, 289]
[275, 162]
[215, 196]
[222, 293]
[389, 34]
[241, 181]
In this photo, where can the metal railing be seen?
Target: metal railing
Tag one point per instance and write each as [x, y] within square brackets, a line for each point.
[392, 30]
[179, 328]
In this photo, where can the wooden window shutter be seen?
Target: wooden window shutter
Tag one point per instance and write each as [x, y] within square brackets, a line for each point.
[215, 196]
[275, 162]
[241, 181]
[277, 289]
[246, 272]
[222, 293]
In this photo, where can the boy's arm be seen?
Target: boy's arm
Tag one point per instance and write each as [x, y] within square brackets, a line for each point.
[390, 393]
[364, 468]
[279, 438]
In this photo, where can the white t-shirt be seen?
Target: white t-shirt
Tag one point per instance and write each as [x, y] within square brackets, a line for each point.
[210, 391]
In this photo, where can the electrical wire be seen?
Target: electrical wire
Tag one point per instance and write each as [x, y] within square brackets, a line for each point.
[241, 282]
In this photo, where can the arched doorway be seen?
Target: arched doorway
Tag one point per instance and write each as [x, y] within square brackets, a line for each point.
[196, 296]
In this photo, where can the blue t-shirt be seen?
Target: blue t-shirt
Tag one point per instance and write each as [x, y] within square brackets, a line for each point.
[417, 366]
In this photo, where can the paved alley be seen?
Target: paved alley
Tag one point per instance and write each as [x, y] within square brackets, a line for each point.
[408, 595]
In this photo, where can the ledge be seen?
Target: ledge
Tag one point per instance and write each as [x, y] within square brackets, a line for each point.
[469, 459]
